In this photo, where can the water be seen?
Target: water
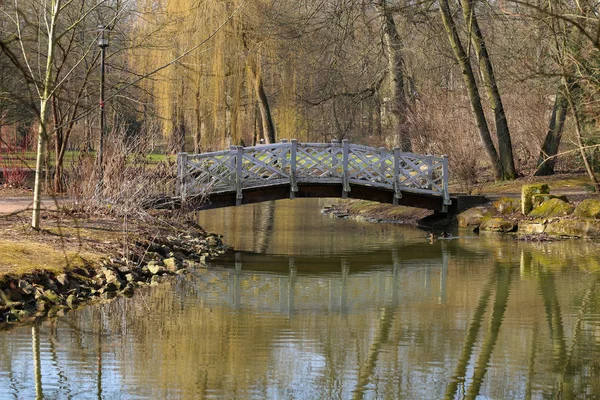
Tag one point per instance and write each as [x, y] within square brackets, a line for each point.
[313, 307]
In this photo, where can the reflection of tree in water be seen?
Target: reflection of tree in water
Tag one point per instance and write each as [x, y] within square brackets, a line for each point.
[165, 341]
[571, 370]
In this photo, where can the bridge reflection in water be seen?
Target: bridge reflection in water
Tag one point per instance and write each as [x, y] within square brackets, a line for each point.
[311, 283]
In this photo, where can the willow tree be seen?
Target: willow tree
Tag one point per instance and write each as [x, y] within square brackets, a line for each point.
[208, 94]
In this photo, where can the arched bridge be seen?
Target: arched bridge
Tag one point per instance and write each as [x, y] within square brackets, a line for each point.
[244, 175]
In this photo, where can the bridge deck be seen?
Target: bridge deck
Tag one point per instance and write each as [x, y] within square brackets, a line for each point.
[291, 169]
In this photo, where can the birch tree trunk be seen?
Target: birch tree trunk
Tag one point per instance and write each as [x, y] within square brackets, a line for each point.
[55, 9]
[469, 78]
[489, 82]
[393, 50]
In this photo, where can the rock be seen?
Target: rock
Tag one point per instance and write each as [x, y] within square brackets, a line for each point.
[172, 264]
[527, 192]
[41, 305]
[62, 279]
[507, 205]
[113, 278]
[72, 301]
[152, 256]
[574, 228]
[109, 295]
[588, 208]
[128, 291]
[497, 225]
[110, 287]
[52, 296]
[26, 287]
[538, 199]
[177, 255]
[13, 295]
[213, 241]
[552, 208]
[531, 227]
[470, 218]
[154, 268]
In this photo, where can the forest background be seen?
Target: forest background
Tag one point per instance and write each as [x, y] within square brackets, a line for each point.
[503, 87]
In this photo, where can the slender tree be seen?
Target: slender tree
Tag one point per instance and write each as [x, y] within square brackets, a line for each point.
[491, 88]
[469, 77]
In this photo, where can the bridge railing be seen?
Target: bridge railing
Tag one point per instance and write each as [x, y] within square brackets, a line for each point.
[293, 162]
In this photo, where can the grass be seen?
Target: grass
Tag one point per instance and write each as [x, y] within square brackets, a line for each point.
[27, 159]
[559, 182]
[22, 257]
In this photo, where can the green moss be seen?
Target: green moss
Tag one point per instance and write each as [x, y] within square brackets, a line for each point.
[574, 228]
[538, 199]
[588, 208]
[527, 192]
[552, 208]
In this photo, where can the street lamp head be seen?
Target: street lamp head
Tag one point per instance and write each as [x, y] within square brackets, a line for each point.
[103, 36]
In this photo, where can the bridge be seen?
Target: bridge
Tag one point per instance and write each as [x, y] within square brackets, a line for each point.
[290, 169]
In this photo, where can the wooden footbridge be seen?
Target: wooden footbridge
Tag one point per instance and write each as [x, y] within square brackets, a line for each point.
[244, 175]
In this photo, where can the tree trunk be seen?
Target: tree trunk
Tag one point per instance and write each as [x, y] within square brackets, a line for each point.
[43, 116]
[579, 136]
[491, 87]
[473, 91]
[547, 158]
[265, 112]
[393, 49]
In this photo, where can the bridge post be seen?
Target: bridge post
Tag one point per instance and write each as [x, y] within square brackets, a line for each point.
[397, 192]
[293, 184]
[345, 173]
[182, 176]
[445, 176]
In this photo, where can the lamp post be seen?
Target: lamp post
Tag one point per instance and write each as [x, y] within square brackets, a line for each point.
[103, 44]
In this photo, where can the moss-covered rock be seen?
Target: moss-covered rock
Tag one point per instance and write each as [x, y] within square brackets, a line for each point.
[531, 227]
[538, 199]
[527, 192]
[497, 225]
[552, 208]
[574, 228]
[507, 205]
[472, 218]
[588, 208]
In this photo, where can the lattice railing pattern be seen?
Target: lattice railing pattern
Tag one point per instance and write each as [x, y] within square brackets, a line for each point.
[292, 162]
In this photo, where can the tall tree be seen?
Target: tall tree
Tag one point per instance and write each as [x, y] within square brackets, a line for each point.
[395, 75]
[491, 88]
[469, 77]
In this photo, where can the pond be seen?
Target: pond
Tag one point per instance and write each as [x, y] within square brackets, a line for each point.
[314, 307]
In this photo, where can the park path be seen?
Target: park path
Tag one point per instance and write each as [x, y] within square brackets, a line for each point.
[9, 205]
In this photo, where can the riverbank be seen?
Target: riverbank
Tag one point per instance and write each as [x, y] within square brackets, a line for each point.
[79, 258]
[559, 206]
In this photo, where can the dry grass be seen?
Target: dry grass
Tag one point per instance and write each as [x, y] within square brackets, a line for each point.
[26, 256]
